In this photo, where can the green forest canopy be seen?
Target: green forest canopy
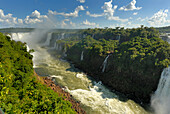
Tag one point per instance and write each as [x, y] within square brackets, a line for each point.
[20, 92]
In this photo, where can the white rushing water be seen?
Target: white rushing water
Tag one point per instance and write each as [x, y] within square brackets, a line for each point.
[105, 63]
[160, 101]
[47, 42]
[82, 54]
[94, 96]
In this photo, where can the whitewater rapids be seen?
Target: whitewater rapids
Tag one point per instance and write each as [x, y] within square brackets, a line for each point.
[95, 98]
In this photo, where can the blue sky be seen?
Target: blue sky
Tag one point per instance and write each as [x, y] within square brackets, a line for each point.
[84, 13]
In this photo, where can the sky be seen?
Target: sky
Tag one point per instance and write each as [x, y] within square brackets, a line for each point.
[72, 14]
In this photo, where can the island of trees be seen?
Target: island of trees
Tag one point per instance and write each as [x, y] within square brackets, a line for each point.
[136, 58]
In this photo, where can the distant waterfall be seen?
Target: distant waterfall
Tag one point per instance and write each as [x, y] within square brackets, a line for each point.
[82, 54]
[160, 101]
[105, 63]
[28, 49]
[60, 47]
[55, 45]
[62, 35]
[93, 35]
[119, 37]
[47, 42]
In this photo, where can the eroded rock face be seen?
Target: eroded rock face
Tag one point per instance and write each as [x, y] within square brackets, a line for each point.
[65, 95]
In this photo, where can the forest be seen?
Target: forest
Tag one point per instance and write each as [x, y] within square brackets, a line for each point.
[136, 58]
[20, 91]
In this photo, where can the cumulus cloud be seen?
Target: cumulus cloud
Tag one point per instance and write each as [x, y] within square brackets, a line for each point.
[8, 20]
[135, 13]
[81, 1]
[20, 21]
[89, 23]
[93, 15]
[159, 18]
[72, 14]
[142, 19]
[109, 11]
[130, 6]
[130, 18]
[63, 22]
[35, 17]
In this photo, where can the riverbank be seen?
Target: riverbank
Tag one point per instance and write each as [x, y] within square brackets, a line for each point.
[58, 89]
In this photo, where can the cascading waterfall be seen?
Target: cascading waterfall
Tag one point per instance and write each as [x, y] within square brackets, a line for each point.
[93, 35]
[65, 50]
[82, 54]
[62, 35]
[60, 47]
[47, 42]
[55, 45]
[119, 37]
[105, 63]
[160, 101]
[28, 49]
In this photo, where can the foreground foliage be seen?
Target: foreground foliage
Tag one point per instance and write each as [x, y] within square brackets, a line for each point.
[20, 92]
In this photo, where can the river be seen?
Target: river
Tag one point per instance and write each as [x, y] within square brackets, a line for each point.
[95, 98]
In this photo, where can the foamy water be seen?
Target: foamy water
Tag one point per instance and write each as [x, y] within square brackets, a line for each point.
[94, 96]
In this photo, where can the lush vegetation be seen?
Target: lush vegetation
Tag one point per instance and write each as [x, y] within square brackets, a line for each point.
[135, 63]
[20, 91]
[121, 33]
[164, 29]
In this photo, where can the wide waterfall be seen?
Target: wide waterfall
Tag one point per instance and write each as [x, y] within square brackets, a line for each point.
[47, 42]
[105, 63]
[160, 101]
[82, 54]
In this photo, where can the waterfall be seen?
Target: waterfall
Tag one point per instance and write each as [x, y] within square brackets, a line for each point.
[60, 47]
[62, 35]
[93, 35]
[65, 50]
[47, 42]
[105, 63]
[28, 49]
[55, 45]
[82, 53]
[119, 37]
[160, 101]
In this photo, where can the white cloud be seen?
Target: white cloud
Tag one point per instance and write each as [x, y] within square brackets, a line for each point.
[20, 21]
[81, 1]
[72, 24]
[35, 17]
[8, 20]
[142, 19]
[89, 23]
[159, 18]
[130, 18]
[109, 11]
[72, 14]
[135, 13]
[130, 6]
[63, 22]
[93, 15]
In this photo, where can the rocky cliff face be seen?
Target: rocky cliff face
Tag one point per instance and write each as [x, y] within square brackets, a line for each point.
[136, 87]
